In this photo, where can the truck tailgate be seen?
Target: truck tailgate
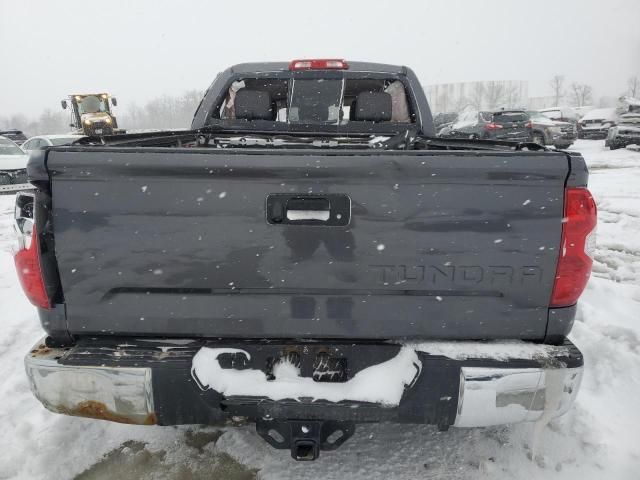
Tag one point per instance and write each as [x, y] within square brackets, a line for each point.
[176, 242]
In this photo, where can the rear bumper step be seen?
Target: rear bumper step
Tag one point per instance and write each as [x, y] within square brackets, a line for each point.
[151, 382]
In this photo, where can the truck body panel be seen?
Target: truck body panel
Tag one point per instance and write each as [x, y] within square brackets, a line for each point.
[438, 245]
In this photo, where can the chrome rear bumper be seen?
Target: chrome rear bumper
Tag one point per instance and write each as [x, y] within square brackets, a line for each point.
[489, 392]
[123, 395]
[494, 396]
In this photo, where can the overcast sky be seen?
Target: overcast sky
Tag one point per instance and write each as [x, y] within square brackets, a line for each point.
[140, 49]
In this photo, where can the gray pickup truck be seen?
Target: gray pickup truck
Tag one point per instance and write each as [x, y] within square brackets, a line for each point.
[307, 257]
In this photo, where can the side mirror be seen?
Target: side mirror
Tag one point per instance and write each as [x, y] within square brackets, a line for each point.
[114, 101]
[64, 104]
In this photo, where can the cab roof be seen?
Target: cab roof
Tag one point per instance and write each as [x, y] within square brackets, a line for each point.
[262, 67]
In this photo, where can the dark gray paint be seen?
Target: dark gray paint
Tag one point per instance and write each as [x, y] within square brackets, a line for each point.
[446, 212]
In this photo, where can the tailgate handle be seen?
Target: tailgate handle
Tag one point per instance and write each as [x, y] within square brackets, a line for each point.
[308, 208]
[330, 209]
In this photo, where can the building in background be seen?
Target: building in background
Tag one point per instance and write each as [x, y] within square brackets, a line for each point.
[486, 95]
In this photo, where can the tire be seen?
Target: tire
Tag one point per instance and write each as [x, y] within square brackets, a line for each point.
[614, 146]
[538, 138]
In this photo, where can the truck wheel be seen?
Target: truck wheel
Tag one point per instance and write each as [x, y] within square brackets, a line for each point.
[614, 146]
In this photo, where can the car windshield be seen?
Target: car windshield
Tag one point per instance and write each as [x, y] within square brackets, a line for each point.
[7, 147]
[538, 117]
[552, 114]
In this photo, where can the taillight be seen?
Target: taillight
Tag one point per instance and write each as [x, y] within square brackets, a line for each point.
[319, 64]
[576, 247]
[528, 125]
[27, 255]
[492, 126]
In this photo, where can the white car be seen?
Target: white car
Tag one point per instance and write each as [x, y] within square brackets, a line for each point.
[43, 141]
[13, 166]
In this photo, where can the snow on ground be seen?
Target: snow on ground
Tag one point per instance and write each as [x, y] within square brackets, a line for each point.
[596, 439]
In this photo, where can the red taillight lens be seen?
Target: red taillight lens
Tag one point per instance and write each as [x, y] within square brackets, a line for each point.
[492, 126]
[528, 125]
[574, 261]
[319, 64]
[30, 274]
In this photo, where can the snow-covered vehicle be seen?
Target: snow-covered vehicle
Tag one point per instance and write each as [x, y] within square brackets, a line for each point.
[597, 122]
[16, 136]
[13, 167]
[307, 257]
[627, 132]
[509, 125]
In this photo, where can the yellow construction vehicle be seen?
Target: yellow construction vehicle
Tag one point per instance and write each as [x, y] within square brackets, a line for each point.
[91, 114]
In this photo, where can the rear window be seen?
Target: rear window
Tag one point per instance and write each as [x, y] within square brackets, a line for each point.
[510, 117]
[315, 101]
[329, 101]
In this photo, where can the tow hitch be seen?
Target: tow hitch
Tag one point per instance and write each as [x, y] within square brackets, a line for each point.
[305, 438]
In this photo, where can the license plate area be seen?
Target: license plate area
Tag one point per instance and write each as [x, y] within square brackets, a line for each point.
[322, 363]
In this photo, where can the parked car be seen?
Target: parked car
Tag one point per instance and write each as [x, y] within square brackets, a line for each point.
[183, 283]
[627, 132]
[561, 114]
[41, 142]
[500, 125]
[442, 119]
[597, 122]
[14, 135]
[13, 166]
[545, 131]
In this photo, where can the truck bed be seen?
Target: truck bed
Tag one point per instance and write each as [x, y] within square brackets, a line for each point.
[418, 244]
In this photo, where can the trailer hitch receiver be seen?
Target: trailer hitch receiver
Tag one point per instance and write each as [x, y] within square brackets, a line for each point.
[305, 438]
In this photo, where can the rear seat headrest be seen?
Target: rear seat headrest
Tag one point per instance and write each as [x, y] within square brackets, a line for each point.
[373, 107]
[253, 105]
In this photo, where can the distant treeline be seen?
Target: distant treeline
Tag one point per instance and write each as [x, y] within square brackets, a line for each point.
[163, 112]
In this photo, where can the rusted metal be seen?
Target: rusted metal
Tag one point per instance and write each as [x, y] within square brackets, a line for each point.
[41, 349]
[98, 410]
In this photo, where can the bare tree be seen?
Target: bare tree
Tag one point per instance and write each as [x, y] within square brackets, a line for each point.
[495, 94]
[477, 95]
[634, 86]
[582, 94]
[512, 96]
[557, 86]
[443, 102]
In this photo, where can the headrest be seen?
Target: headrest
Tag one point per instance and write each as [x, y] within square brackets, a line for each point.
[253, 105]
[373, 107]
